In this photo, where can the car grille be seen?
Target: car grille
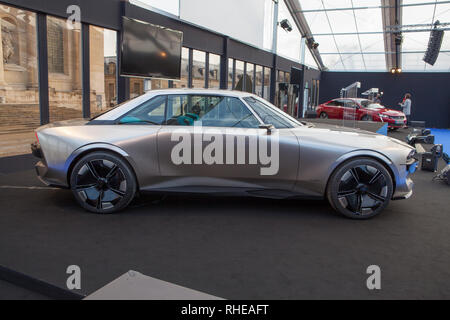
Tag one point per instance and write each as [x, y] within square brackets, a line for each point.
[397, 117]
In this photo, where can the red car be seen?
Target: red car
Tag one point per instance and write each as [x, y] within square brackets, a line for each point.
[361, 109]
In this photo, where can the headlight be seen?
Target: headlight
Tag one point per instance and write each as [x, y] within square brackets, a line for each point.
[383, 116]
[411, 154]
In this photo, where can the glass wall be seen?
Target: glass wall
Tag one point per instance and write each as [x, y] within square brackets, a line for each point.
[258, 81]
[230, 74]
[19, 96]
[103, 73]
[198, 69]
[183, 83]
[64, 69]
[266, 90]
[238, 73]
[249, 78]
[136, 87]
[214, 71]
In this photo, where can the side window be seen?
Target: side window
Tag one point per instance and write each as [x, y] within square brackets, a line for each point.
[209, 111]
[350, 104]
[339, 103]
[151, 111]
[332, 103]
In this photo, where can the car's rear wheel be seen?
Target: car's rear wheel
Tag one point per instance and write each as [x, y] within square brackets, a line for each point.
[360, 188]
[323, 115]
[103, 182]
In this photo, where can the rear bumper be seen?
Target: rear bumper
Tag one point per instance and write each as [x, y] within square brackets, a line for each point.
[41, 168]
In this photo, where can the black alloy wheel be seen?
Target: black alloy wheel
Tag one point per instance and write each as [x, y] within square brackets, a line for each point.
[360, 188]
[102, 182]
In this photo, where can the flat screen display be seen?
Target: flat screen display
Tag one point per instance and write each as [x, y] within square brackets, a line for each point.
[150, 51]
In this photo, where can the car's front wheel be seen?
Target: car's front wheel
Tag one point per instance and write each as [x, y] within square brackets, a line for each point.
[323, 115]
[103, 182]
[360, 188]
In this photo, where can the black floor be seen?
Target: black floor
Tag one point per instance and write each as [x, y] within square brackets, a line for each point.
[231, 248]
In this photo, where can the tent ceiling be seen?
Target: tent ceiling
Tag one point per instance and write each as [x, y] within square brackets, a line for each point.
[354, 35]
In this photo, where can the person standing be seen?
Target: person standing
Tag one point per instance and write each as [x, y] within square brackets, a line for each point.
[406, 106]
[377, 99]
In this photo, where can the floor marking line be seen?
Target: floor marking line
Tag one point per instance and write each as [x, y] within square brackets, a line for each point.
[28, 188]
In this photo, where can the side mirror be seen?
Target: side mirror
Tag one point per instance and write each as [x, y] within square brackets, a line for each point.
[268, 127]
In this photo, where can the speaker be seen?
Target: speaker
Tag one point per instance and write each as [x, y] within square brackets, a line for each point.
[430, 159]
[296, 76]
[434, 46]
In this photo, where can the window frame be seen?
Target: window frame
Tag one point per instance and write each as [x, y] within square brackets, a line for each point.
[240, 99]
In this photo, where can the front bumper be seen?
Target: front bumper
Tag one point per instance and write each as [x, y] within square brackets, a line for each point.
[394, 124]
[404, 184]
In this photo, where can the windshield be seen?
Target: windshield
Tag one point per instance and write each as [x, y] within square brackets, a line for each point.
[370, 104]
[270, 114]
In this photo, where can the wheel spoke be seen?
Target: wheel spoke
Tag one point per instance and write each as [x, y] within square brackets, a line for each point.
[376, 196]
[358, 204]
[99, 199]
[375, 177]
[118, 192]
[354, 174]
[112, 172]
[92, 170]
[85, 186]
[346, 193]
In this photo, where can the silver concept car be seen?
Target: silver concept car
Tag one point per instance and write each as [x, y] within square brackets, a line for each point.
[220, 142]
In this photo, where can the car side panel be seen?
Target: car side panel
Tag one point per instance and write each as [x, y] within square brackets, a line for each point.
[245, 176]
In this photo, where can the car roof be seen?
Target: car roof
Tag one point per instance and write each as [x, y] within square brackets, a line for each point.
[358, 100]
[230, 93]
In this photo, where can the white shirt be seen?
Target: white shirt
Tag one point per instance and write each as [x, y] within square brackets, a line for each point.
[406, 107]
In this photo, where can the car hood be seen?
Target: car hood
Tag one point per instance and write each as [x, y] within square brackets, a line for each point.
[352, 138]
[389, 112]
[65, 123]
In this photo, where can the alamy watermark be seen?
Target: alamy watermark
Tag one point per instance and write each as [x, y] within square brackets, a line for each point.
[226, 146]
[373, 282]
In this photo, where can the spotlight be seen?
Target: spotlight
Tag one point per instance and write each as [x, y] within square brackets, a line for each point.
[286, 25]
[312, 44]
[396, 70]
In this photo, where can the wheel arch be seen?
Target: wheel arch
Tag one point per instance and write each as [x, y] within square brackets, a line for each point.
[381, 158]
[82, 151]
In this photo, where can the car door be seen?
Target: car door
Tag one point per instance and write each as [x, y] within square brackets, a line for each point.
[217, 151]
[332, 109]
[349, 109]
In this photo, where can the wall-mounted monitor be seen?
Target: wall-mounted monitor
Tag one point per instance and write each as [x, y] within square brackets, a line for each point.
[150, 51]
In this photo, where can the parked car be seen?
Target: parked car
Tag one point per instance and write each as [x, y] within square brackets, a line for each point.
[362, 110]
[135, 147]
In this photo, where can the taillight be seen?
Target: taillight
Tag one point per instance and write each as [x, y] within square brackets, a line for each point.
[37, 138]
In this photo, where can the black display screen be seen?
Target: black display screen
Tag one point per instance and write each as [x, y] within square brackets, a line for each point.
[150, 51]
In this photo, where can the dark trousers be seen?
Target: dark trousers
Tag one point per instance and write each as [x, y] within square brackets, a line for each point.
[407, 120]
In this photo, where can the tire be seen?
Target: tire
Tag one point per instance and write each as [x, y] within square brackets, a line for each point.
[366, 118]
[323, 115]
[103, 182]
[360, 188]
